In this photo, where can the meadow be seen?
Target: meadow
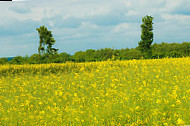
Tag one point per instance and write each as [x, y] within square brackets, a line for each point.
[133, 92]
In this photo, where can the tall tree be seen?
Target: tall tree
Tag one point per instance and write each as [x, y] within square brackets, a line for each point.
[147, 34]
[46, 41]
[41, 32]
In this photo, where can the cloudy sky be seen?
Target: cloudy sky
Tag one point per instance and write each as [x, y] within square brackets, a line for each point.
[89, 24]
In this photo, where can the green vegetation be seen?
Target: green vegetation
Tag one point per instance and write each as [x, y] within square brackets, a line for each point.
[163, 50]
[146, 36]
[48, 54]
[46, 39]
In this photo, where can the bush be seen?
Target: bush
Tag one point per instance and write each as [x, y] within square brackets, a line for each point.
[17, 60]
[157, 55]
[133, 54]
[62, 58]
[34, 59]
[174, 54]
[3, 60]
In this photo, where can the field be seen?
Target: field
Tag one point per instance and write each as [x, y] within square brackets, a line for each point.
[134, 92]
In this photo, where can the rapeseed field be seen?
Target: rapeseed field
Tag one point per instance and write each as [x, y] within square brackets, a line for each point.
[134, 92]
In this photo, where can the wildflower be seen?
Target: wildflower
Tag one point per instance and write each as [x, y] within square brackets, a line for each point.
[40, 103]
[180, 121]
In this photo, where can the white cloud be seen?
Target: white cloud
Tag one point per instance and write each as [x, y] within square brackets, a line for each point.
[131, 13]
[20, 10]
[177, 18]
[121, 27]
[127, 3]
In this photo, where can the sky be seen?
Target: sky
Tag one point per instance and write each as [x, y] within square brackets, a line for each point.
[78, 25]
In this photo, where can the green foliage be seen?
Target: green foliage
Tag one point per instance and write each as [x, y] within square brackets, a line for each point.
[46, 41]
[3, 60]
[157, 55]
[46, 58]
[147, 34]
[162, 50]
[174, 54]
[133, 54]
[90, 55]
[170, 50]
[34, 59]
[62, 58]
[79, 56]
[17, 60]
[105, 54]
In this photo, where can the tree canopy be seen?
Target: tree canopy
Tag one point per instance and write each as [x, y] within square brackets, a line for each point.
[147, 34]
[46, 41]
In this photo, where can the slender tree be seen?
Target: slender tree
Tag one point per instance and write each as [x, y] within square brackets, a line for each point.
[147, 34]
[42, 36]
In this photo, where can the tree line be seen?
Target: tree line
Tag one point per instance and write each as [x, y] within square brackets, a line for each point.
[163, 50]
[145, 49]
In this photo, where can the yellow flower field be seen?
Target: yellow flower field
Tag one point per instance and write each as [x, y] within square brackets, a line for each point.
[135, 92]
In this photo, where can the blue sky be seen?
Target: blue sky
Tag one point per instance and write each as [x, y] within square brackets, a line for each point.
[78, 25]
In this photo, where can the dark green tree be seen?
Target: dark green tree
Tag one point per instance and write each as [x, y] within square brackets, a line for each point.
[62, 58]
[46, 41]
[90, 55]
[79, 56]
[147, 34]
[33, 59]
[42, 35]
